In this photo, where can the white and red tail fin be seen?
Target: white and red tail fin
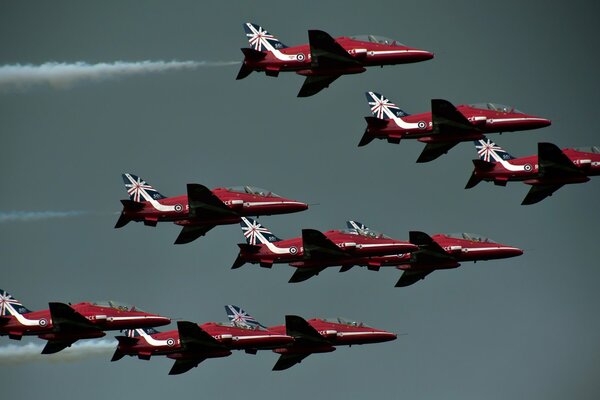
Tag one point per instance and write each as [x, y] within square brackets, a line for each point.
[11, 306]
[133, 333]
[138, 190]
[490, 151]
[261, 40]
[255, 233]
[241, 318]
[382, 108]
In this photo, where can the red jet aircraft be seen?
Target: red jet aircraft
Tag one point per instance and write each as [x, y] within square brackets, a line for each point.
[201, 209]
[445, 126]
[314, 251]
[447, 251]
[315, 335]
[443, 251]
[190, 343]
[546, 173]
[62, 325]
[323, 59]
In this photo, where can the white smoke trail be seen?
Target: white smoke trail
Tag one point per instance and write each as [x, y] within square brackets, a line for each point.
[27, 216]
[31, 352]
[65, 75]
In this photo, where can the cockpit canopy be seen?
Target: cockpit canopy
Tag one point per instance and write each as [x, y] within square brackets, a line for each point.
[368, 232]
[344, 321]
[116, 305]
[252, 190]
[470, 236]
[377, 39]
[589, 149]
[495, 107]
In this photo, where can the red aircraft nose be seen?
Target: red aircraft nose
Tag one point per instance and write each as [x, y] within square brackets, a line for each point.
[508, 251]
[155, 320]
[294, 206]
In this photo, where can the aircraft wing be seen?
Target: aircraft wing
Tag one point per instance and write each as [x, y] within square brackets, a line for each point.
[446, 119]
[302, 274]
[181, 366]
[554, 163]
[192, 232]
[286, 361]
[314, 84]
[538, 193]
[195, 339]
[430, 252]
[303, 332]
[325, 52]
[409, 277]
[204, 204]
[316, 245]
[54, 346]
[434, 150]
[65, 319]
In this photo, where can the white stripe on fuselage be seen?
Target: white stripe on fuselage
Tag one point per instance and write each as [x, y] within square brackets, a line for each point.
[22, 320]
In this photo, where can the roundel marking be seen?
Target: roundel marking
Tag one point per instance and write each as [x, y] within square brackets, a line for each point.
[170, 342]
[421, 124]
[43, 322]
[528, 167]
[293, 250]
[178, 207]
[300, 57]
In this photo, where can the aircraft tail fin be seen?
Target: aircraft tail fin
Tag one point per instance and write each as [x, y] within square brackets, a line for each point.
[490, 151]
[358, 227]
[138, 190]
[240, 318]
[260, 39]
[255, 233]
[10, 306]
[382, 108]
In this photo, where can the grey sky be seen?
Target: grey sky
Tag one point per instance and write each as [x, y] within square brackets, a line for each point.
[520, 328]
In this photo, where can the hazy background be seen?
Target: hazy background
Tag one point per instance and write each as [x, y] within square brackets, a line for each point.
[523, 328]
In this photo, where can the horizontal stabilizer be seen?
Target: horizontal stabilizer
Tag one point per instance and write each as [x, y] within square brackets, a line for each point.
[55, 346]
[410, 277]
[302, 332]
[117, 355]
[128, 206]
[286, 361]
[126, 340]
[192, 232]
[252, 54]
[302, 274]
